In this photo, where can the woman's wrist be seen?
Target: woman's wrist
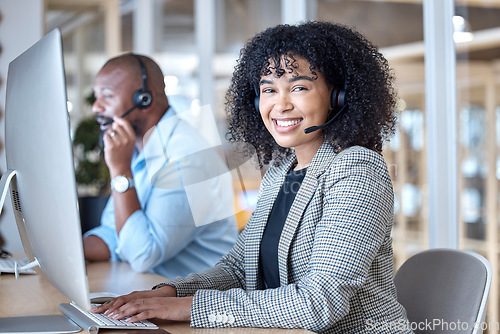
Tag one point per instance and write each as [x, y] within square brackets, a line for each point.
[167, 291]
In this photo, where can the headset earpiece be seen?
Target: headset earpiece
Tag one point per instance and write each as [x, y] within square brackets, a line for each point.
[338, 99]
[338, 103]
[256, 102]
[142, 98]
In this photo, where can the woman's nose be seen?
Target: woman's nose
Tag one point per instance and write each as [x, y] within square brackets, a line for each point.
[283, 103]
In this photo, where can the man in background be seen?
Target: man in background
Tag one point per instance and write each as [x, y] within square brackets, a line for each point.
[168, 210]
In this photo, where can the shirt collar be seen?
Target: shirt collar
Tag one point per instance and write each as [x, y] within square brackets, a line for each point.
[138, 158]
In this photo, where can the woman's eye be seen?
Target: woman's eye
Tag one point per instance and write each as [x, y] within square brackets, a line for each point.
[298, 89]
[267, 90]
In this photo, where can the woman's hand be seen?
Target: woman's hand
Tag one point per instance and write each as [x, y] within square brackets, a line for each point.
[160, 303]
[168, 308]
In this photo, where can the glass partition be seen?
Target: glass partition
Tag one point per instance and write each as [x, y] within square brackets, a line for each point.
[477, 31]
[396, 27]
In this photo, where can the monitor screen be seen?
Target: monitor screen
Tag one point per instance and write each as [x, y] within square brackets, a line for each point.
[38, 148]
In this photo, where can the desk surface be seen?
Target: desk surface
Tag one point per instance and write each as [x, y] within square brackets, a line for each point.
[34, 295]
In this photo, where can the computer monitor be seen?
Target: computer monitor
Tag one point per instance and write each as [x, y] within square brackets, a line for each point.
[40, 167]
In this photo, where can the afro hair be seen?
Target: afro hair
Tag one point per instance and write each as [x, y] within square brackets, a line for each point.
[346, 59]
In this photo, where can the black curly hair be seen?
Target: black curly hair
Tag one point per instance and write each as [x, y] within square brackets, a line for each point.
[346, 59]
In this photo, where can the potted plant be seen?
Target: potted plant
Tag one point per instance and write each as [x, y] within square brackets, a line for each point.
[91, 172]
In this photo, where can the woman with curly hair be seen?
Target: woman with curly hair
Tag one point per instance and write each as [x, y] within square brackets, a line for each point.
[316, 102]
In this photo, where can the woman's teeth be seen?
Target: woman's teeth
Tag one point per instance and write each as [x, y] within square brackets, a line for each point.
[287, 123]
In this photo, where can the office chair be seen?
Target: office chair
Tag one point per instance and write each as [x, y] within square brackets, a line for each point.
[444, 291]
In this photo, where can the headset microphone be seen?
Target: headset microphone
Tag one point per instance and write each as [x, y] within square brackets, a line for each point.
[122, 115]
[101, 139]
[314, 128]
[337, 100]
[142, 97]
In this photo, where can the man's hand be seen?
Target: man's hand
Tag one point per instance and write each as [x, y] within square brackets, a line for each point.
[119, 144]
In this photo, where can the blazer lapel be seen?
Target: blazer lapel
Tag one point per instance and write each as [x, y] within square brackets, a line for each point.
[270, 187]
[316, 168]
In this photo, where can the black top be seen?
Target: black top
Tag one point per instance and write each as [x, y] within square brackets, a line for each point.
[270, 239]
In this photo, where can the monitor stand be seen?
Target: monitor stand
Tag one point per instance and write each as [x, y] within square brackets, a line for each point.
[9, 180]
[31, 324]
[4, 185]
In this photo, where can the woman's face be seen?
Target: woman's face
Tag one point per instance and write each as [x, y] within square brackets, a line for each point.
[293, 102]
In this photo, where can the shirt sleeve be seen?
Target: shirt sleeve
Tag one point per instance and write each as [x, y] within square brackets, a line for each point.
[158, 232]
[152, 235]
[107, 230]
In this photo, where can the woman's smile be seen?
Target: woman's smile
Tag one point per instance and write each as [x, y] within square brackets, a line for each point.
[286, 124]
[292, 102]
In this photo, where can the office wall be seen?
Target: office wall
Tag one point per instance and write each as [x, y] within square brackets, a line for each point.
[20, 27]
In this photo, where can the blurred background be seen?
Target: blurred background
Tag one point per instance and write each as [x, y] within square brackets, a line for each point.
[449, 97]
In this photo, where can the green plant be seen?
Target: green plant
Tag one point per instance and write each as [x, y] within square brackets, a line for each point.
[92, 175]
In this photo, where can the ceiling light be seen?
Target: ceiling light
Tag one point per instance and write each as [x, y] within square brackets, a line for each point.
[461, 30]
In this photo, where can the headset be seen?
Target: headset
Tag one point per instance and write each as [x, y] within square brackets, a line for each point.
[338, 98]
[142, 97]
[338, 102]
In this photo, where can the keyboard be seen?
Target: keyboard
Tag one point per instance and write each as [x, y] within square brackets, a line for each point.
[7, 265]
[92, 322]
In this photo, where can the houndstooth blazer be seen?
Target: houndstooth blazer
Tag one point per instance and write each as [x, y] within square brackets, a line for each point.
[335, 255]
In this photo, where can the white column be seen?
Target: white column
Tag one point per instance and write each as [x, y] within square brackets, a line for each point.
[26, 19]
[144, 27]
[441, 123]
[113, 27]
[79, 105]
[296, 11]
[205, 41]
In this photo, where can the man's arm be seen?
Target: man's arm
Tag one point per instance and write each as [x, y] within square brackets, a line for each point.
[95, 249]
[118, 152]
[125, 204]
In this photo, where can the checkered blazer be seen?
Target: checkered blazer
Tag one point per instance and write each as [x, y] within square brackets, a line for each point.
[335, 255]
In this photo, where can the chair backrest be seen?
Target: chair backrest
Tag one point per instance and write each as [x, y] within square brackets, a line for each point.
[444, 291]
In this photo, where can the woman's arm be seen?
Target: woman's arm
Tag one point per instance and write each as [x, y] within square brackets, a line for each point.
[227, 274]
[172, 300]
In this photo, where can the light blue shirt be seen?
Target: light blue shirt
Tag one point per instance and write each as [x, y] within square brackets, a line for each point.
[186, 222]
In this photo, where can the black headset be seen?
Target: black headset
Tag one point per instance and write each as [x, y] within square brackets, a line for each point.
[142, 97]
[337, 100]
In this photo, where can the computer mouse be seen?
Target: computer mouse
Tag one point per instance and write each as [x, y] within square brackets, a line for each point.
[101, 297]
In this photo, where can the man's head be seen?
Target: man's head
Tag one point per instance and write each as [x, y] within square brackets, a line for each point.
[118, 88]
